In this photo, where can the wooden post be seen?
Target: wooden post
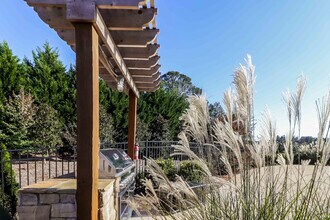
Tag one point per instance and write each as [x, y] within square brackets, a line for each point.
[87, 65]
[132, 123]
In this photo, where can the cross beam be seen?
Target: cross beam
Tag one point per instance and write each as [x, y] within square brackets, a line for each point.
[103, 4]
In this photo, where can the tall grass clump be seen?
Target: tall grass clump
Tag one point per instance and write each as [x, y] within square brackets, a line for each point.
[257, 180]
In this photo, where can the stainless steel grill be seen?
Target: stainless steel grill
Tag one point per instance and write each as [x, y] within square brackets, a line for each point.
[116, 163]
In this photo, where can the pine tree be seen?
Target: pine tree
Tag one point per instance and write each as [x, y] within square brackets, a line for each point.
[181, 83]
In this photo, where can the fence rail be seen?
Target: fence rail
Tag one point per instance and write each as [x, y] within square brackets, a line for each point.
[35, 165]
[38, 164]
[26, 166]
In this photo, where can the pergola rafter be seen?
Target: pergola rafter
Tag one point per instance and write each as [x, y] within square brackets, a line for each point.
[122, 38]
[115, 40]
[127, 22]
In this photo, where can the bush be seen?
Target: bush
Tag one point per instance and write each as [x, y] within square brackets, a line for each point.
[168, 167]
[191, 172]
[9, 186]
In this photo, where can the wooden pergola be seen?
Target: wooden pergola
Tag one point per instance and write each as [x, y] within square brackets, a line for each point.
[115, 40]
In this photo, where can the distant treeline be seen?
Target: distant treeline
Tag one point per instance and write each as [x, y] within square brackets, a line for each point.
[38, 103]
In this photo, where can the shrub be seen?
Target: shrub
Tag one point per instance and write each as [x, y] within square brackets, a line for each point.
[191, 172]
[168, 167]
[9, 186]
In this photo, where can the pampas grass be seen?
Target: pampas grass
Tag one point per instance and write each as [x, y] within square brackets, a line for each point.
[265, 184]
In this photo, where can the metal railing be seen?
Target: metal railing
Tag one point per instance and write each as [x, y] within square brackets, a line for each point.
[38, 164]
[21, 167]
[33, 165]
[155, 150]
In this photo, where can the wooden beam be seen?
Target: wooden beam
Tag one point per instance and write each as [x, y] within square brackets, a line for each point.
[151, 72]
[137, 53]
[134, 38]
[107, 66]
[43, 3]
[67, 35]
[151, 79]
[132, 123]
[147, 84]
[120, 38]
[142, 64]
[121, 19]
[87, 66]
[103, 4]
[149, 89]
[128, 19]
[55, 17]
[105, 35]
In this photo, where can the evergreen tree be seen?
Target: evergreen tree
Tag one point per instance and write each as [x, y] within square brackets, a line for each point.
[69, 139]
[216, 111]
[106, 128]
[8, 184]
[116, 104]
[46, 130]
[118, 108]
[159, 129]
[12, 76]
[46, 78]
[143, 132]
[168, 104]
[174, 80]
[16, 119]
[50, 84]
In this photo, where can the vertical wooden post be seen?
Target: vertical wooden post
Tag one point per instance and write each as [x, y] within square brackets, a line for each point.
[87, 65]
[132, 123]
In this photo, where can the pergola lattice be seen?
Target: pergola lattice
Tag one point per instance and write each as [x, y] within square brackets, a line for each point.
[114, 40]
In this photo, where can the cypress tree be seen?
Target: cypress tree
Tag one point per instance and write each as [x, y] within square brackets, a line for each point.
[12, 76]
[50, 83]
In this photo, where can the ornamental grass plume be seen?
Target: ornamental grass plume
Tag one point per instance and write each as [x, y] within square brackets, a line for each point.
[257, 179]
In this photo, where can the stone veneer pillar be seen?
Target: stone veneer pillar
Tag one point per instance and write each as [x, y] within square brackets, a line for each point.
[55, 199]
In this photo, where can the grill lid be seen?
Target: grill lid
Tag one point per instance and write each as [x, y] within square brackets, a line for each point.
[118, 158]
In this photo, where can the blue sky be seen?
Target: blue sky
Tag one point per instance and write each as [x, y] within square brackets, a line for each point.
[207, 41]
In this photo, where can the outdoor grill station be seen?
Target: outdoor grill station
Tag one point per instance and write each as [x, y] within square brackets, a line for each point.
[115, 40]
[115, 163]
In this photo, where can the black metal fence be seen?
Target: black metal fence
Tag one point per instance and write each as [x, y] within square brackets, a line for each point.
[22, 167]
[38, 164]
[155, 150]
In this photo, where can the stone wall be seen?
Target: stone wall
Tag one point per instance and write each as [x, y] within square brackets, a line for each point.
[56, 200]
